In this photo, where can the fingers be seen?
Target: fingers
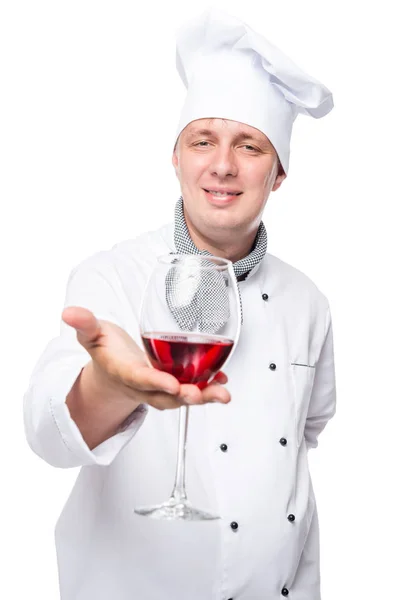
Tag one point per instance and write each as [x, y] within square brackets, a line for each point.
[146, 379]
[87, 326]
[183, 395]
[162, 391]
[163, 401]
[214, 392]
[190, 394]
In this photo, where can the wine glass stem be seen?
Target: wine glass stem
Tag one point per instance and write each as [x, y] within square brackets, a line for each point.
[179, 492]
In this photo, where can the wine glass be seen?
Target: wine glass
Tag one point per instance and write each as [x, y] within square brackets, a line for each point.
[190, 324]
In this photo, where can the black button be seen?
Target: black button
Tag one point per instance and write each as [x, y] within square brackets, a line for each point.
[224, 447]
[265, 297]
[291, 518]
[234, 525]
[272, 366]
[283, 441]
[285, 592]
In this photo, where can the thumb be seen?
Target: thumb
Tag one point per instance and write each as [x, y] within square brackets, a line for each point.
[87, 326]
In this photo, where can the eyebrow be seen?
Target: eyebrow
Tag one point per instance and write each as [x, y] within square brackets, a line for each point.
[241, 136]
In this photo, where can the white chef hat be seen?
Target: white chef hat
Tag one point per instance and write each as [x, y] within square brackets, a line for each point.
[231, 72]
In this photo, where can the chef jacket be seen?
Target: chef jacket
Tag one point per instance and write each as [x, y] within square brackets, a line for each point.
[246, 461]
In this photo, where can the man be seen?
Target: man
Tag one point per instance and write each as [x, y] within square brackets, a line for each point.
[94, 402]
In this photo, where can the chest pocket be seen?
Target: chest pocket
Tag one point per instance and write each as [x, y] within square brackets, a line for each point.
[302, 376]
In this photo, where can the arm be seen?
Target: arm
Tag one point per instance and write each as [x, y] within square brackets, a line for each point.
[323, 398]
[50, 428]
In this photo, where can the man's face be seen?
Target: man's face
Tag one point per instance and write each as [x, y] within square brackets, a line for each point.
[218, 154]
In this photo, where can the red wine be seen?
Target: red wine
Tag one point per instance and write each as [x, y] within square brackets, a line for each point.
[191, 358]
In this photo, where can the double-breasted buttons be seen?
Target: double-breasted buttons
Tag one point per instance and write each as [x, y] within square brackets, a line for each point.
[291, 518]
[223, 447]
[265, 297]
[285, 592]
[234, 526]
[272, 366]
[283, 441]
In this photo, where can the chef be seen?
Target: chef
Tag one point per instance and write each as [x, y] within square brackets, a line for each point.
[94, 402]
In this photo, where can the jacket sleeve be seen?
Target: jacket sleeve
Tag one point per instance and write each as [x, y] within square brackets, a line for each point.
[322, 405]
[50, 431]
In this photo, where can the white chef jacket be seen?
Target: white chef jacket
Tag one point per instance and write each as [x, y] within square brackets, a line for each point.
[282, 383]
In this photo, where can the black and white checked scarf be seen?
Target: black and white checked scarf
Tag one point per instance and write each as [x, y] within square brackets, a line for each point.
[205, 300]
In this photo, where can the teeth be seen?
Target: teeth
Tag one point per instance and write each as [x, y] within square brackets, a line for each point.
[222, 193]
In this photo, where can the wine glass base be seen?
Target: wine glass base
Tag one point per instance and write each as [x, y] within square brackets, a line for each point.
[175, 511]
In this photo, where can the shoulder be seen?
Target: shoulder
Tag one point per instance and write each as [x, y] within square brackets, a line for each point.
[139, 252]
[154, 243]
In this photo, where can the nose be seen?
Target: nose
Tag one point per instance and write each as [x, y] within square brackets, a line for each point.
[223, 162]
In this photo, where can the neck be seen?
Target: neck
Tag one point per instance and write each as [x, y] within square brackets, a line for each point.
[233, 250]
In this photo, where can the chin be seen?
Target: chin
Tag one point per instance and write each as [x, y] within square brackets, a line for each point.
[222, 220]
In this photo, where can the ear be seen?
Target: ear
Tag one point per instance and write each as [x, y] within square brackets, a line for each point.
[279, 179]
[175, 160]
[278, 182]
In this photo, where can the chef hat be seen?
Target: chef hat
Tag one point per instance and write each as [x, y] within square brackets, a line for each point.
[231, 72]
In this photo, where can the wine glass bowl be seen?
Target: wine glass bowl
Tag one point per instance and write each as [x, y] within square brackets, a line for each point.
[191, 358]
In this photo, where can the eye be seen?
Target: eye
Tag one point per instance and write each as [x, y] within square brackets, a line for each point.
[202, 142]
[252, 148]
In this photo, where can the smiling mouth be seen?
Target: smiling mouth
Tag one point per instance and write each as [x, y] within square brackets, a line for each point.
[222, 194]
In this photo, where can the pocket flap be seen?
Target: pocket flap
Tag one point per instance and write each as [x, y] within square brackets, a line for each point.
[303, 376]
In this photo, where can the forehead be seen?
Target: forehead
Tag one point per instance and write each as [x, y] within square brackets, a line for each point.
[224, 127]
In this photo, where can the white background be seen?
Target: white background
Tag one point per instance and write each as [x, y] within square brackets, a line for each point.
[90, 100]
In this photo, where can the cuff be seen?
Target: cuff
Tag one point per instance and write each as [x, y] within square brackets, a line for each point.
[54, 435]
